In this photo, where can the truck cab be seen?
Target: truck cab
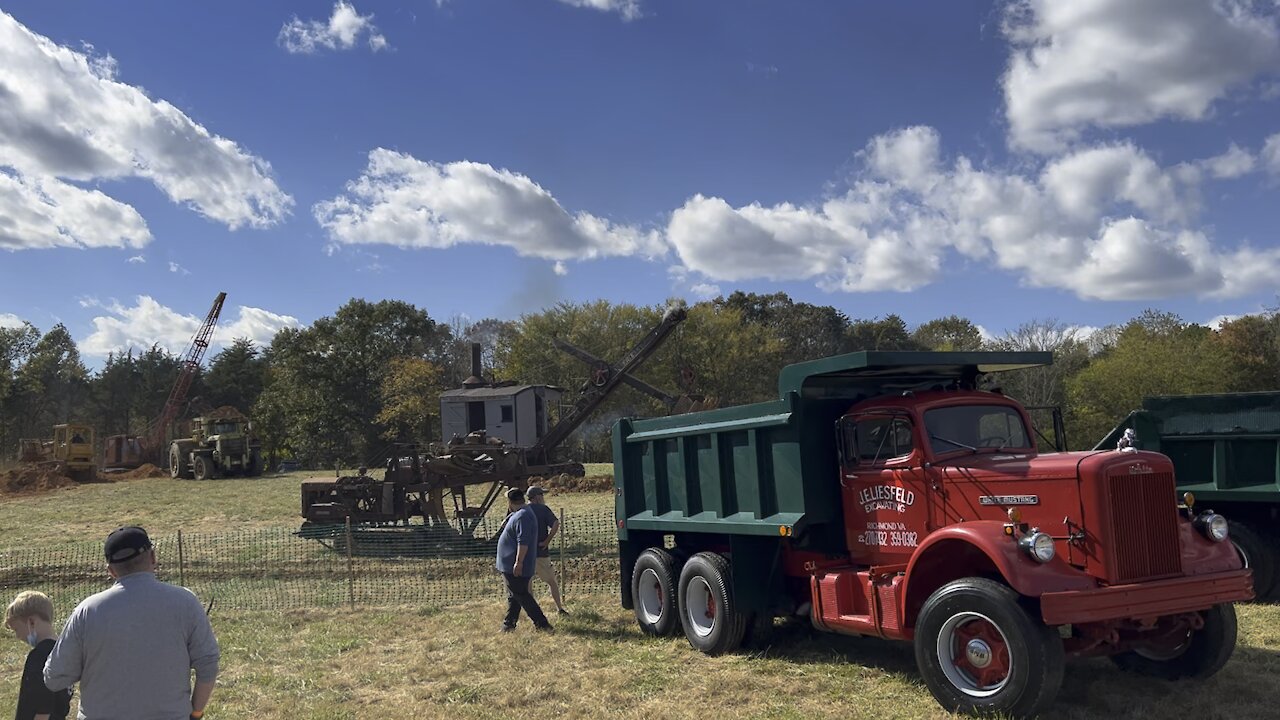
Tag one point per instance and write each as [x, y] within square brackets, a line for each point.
[887, 495]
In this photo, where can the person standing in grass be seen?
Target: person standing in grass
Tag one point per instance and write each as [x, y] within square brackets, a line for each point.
[517, 561]
[132, 647]
[30, 617]
[548, 526]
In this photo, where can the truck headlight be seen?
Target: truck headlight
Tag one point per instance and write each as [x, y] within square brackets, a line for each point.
[1038, 545]
[1213, 525]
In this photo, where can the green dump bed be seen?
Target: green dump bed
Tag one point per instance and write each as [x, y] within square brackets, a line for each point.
[1224, 447]
[769, 468]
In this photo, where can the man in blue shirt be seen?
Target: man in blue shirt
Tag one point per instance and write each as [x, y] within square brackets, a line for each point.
[517, 561]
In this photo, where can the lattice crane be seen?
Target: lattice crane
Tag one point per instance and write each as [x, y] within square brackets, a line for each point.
[157, 440]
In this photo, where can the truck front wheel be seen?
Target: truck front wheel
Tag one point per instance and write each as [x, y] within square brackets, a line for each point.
[979, 651]
[202, 468]
[653, 591]
[1195, 654]
[1256, 554]
[177, 468]
[712, 622]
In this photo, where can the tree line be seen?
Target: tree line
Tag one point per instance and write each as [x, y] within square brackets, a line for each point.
[340, 390]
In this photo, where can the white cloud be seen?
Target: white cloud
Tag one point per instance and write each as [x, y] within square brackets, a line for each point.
[410, 203]
[341, 31]
[149, 323]
[1086, 182]
[257, 324]
[137, 260]
[1105, 223]
[1218, 321]
[560, 268]
[65, 118]
[1117, 63]
[705, 291]
[176, 268]
[1271, 154]
[9, 320]
[1233, 163]
[908, 158]
[628, 9]
[39, 212]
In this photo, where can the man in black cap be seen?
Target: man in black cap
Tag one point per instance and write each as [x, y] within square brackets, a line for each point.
[516, 560]
[132, 647]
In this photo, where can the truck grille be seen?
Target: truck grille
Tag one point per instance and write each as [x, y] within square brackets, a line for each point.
[233, 446]
[1144, 539]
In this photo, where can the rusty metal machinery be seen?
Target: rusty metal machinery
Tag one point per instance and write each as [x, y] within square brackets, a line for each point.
[451, 486]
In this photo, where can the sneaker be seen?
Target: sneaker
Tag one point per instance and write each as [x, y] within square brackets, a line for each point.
[544, 628]
[508, 628]
[562, 611]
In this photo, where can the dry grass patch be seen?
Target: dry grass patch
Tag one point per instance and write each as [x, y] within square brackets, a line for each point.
[332, 665]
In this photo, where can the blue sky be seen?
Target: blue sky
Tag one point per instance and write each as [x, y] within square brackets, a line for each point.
[1000, 160]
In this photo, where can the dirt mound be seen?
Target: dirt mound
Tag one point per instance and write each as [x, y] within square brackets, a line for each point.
[33, 479]
[226, 412]
[569, 483]
[146, 470]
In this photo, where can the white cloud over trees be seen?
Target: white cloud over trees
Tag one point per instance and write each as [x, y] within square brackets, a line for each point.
[148, 322]
[402, 201]
[66, 120]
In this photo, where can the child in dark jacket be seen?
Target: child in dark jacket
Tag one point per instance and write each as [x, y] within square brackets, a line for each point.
[30, 617]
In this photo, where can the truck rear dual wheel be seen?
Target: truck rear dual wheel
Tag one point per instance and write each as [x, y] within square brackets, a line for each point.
[1198, 654]
[712, 621]
[653, 593]
[254, 468]
[980, 652]
[1257, 552]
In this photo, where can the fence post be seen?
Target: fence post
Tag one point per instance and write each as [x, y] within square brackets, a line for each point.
[182, 562]
[564, 525]
[351, 573]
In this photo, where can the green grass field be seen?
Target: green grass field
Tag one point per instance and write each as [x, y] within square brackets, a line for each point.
[163, 506]
[415, 662]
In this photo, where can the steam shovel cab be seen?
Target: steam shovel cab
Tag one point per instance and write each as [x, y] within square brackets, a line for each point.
[883, 494]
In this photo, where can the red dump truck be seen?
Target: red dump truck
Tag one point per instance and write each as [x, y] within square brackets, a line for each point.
[884, 494]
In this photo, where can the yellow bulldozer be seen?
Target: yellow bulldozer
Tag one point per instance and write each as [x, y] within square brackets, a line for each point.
[71, 448]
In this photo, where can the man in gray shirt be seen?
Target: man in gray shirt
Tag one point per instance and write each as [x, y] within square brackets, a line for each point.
[132, 647]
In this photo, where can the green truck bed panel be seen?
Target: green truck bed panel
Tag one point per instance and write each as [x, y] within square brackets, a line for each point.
[1223, 447]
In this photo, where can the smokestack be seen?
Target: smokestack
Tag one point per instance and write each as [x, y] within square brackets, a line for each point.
[477, 376]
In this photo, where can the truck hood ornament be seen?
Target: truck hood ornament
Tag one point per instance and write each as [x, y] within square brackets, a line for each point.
[1128, 442]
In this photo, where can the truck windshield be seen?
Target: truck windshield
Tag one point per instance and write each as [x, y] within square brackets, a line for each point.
[970, 427]
[225, 428]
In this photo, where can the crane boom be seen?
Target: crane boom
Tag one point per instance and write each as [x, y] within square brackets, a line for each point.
[604, 383]
[186, 373]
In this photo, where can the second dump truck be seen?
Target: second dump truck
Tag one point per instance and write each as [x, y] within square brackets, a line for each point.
[883, 494]
[1226, 450]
